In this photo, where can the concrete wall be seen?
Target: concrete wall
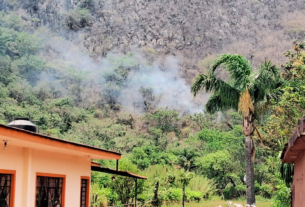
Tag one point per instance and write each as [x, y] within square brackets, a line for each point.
[12, 159]
[298, 182]
[28, 162]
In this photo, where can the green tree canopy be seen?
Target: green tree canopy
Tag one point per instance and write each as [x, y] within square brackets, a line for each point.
[245, 90]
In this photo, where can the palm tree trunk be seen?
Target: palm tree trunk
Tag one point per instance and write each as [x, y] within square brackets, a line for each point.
[248, 129]
[155, 200]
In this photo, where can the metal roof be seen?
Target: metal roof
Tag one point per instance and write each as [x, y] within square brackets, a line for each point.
[96, 167]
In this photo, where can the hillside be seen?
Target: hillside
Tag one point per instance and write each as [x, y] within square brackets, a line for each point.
[117, 75]
[179, 37]
[190, 29]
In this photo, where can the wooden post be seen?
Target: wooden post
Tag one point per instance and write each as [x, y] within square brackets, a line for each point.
[117, 165]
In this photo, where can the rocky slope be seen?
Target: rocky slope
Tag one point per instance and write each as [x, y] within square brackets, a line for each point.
[189, 29]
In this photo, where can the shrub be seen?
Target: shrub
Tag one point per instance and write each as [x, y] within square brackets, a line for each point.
[234, 191]
[87, 4]
[145, 156]
[281, 196]
[10, 20]
[68, 102]
[173, 194]
[265, 190]
[98, 198]
[193, 195]
[79, 18]
[203, 185]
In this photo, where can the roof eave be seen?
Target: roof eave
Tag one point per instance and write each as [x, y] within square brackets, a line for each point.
[29, 136]
[295, 145]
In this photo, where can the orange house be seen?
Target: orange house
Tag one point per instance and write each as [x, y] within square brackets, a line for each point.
[294, 153]
[42, 171]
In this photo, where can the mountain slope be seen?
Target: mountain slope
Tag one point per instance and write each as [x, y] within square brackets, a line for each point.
[189, 29]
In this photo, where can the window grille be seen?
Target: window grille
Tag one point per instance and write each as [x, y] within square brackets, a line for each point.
[49, 191]
[83, 193]
[5, 189]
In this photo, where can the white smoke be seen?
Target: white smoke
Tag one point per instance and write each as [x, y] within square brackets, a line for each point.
[166, 84]
[161, 77]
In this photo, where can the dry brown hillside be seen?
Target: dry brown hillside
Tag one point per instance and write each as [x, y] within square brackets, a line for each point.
[192, 30]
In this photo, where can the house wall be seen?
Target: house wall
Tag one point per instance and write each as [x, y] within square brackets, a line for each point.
[28, 162]
[298, 182]
[11, 159]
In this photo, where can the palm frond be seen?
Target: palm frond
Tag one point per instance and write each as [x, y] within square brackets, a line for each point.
[239, 68]
[245, 88]
[217, 102]
[211, 83]
[266, 83]
[202, 82]
[268, 75]
[287, 171]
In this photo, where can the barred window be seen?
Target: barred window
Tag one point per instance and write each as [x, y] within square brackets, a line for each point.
[83, 193]
[49, 191]
[5, 190]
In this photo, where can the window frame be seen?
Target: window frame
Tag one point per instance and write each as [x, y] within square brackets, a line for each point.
[88, 190]
[13, 184]
[53, 176]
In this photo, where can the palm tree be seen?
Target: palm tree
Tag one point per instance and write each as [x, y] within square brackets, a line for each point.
[245, 91]
[184, 178]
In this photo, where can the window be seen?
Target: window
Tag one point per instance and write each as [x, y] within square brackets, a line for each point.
[84, 192]
[50, 191]
[5, 190]
[7, 184]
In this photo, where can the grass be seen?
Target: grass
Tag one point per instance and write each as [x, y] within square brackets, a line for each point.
[217, 203]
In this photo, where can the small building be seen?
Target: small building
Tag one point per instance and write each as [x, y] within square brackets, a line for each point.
[294, 153]
[42, 171]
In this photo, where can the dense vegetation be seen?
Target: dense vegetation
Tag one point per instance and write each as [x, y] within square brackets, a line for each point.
[248, 92]
[202, 152]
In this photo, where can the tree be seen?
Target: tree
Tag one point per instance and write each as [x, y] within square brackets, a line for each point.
[187, 158]
[79, 18]
[164, 119]
[291, 105]
[220, 167]
[184, 178]
[124, 187]
[245, 91]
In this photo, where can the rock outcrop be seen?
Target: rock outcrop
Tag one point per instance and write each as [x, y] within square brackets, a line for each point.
[191, 29]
